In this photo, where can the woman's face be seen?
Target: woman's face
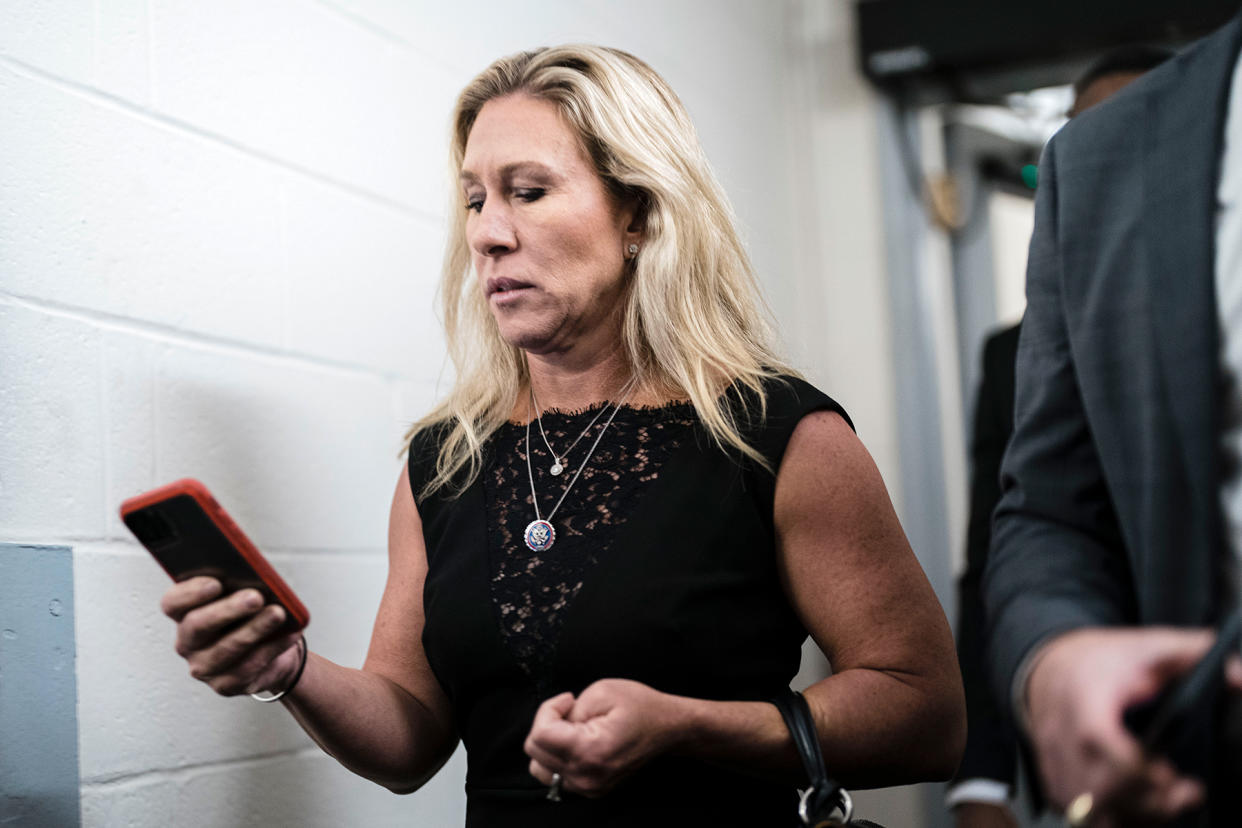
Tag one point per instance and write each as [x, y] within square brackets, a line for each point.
[547, 239]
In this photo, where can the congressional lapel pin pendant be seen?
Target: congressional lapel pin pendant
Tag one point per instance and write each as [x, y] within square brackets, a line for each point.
[540, 535]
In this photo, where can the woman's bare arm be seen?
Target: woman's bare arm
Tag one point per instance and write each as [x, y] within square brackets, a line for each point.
[389, 721]
[893, 710]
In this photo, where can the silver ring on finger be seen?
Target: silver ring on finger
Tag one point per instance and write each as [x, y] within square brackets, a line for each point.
[554, 790]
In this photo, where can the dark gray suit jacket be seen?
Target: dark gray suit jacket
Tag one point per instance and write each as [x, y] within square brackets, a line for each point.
[1109, 513]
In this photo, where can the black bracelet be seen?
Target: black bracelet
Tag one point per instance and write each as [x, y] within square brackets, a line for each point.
[296, 676]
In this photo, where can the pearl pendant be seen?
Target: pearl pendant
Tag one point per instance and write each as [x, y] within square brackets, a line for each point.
[557, 468]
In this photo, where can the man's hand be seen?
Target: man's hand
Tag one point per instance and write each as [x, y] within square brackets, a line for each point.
[1077, 693]
[983, 815]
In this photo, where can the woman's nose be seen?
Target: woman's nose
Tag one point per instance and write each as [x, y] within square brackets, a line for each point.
[492, 231]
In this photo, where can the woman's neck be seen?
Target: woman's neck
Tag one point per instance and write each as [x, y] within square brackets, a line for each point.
[570, 387]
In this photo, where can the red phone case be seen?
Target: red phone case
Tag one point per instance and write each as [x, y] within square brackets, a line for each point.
[156, 499]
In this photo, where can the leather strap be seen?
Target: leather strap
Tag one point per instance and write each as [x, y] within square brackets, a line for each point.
[825, 793]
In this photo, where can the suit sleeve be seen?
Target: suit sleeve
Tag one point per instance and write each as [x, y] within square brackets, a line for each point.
[1057, 561]
[991, 751]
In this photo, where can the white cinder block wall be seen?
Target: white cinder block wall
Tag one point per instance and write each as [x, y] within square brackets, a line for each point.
[220, 230]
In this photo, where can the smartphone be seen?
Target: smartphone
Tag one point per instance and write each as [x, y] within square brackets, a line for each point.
[190, 534]
[1172, 723]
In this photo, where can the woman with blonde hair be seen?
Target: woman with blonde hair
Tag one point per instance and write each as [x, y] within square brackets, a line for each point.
[616, 531]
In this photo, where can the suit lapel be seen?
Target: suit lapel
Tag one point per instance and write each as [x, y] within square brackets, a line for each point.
[1182, 155]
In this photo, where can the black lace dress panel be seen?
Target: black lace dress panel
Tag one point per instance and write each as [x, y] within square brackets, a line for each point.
[663, 571]
[532, 590]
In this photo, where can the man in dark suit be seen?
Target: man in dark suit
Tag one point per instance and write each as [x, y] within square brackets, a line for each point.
[982, 789]
[983, 786]
[1122, 504]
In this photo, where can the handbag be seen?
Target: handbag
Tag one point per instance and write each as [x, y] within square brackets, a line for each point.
[825, 804]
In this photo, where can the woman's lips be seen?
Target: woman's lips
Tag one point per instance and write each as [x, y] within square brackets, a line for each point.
[504, 285]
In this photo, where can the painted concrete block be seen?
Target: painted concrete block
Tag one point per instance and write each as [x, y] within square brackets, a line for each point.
[129, 416]
[136, 375]
[434, 29]
[413, 400]
[99, 44]
[121, 63]
[342, 592]
[303, 458]
[308, 790]
[133, 219]
[55, 36]
[699, 40]
[756, 179]
[362, 281]
[126, 653]
[296, 81]
[51, 459]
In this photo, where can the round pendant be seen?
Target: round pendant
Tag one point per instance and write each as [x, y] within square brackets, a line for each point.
[557, 468]
[540, 535]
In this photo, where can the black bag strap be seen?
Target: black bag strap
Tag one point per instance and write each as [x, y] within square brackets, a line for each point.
[825, 797]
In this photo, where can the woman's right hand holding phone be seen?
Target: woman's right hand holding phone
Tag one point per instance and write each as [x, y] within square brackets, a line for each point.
[233, 643]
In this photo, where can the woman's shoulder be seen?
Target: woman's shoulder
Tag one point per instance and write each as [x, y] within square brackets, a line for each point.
[790, 397]
[787, 399]
[423, 455]
[425, 440]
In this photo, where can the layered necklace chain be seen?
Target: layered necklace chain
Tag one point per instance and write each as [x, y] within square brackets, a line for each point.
[540, 533]
[558, 460]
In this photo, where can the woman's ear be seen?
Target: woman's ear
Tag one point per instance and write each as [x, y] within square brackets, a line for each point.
[636, 207]
[638, 222]
[632, 241]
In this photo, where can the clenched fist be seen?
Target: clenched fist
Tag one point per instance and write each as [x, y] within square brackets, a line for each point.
[596, 740]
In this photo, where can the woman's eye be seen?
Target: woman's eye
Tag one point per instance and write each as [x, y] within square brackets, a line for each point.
[529, 194]
[474, 204]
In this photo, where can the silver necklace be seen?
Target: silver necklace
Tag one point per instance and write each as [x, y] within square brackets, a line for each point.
[558, 460]
[540, 533]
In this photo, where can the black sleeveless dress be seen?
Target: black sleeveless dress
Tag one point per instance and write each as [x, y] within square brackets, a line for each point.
[662, 571]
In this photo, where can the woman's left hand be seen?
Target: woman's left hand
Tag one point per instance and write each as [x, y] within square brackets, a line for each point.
[610, 730]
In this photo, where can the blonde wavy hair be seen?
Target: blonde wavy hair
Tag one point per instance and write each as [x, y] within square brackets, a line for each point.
[694, 322]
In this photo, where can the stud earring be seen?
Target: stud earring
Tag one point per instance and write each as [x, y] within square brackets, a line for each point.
[633, 249]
